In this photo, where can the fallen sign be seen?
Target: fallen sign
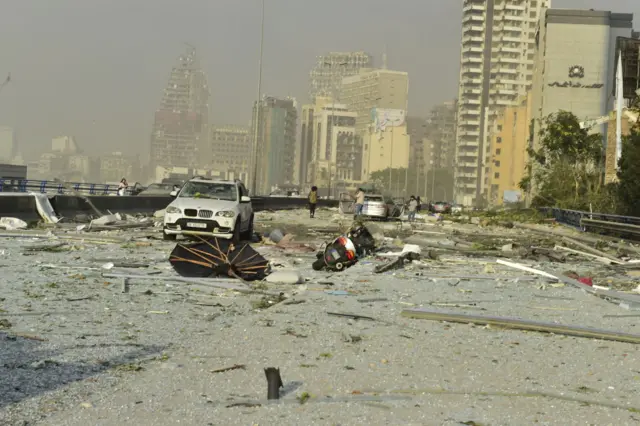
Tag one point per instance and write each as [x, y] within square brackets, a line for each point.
[520, 324]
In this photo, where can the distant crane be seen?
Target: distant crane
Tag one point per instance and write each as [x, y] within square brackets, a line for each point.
[5, 82]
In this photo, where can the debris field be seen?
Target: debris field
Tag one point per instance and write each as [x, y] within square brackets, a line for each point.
[473, 320]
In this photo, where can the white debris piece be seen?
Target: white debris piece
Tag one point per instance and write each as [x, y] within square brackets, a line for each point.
[12, 223]
[285, 276]
[45, 209]
[411, 248]
[106, 220]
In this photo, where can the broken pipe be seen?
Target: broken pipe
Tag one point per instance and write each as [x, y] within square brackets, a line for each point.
[274, 382]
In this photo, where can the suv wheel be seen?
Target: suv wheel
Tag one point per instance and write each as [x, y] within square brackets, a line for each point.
[248, 234]
[237, 236]
[168, 237]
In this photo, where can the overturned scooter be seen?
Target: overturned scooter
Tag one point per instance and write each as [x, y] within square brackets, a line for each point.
[345, 250]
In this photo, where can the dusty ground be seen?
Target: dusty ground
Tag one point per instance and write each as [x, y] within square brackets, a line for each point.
[75, 350]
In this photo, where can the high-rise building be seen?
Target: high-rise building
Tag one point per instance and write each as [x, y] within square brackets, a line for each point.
[441, 130]
[576, 62]
[335, 148]
[380, 99]
[7, 144]
[326, 76]
[496, 67]
[65, 145]
[180, 130]
[508, 158]
[231, 148]
[275, 154]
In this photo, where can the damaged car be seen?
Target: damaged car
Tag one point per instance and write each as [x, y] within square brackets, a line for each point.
[211, 208]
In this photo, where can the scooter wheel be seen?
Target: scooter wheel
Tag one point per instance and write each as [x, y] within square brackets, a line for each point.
[339, 266]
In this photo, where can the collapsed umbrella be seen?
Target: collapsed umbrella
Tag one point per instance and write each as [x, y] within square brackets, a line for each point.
[215, 257]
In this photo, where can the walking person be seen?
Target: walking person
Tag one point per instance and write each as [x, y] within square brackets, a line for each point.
[413, 206]
[359, 205]
[122, 186]
[419, 204]
[313, 200]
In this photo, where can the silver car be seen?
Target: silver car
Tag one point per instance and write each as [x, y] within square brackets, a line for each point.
[375, 207]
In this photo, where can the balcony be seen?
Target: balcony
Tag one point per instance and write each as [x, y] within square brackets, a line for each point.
[469, 133]
[469, 123]
[472, 39]
[467, 175]
[511, 71]
[467, 164]
[519, 7]
[470, 102]
[467, 59]
[471, 81]
[471, 70]
[472, 91]
[473, 18]
[475, 7]
[472, 49]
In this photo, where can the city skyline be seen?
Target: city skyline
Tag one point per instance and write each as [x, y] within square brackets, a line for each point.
[102, 86]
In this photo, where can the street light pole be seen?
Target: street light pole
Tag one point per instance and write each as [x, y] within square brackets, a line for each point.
[5, 82]
[391, 161]
[254, 183]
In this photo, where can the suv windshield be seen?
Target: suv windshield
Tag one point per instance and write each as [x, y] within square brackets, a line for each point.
[211, 190]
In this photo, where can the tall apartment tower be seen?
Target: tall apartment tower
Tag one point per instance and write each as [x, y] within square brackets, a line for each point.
[380, 99]
[326, 76]
[496, 68]
[276, 144]
[180, 130]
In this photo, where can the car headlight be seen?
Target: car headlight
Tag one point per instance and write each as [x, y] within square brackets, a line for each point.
[226, 213]
[172, 209]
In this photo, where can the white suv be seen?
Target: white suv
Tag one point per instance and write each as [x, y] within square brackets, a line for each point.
[214, 208]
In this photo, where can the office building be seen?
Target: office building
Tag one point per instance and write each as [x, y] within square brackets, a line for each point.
[496, 67]
[380, 99]
[507, 162]
[115, 166]
[325, 79]
[335, 149]
[64, 145]
[275, 159]
[180, 129]
[231, 150]
[441, 129]
[576, 58]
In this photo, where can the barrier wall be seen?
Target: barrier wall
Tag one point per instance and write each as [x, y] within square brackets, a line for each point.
[23, 206]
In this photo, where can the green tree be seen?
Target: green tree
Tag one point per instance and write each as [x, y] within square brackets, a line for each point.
[567, 170]
[628, 188]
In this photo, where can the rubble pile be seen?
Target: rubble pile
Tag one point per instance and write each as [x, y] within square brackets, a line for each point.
[334, 310]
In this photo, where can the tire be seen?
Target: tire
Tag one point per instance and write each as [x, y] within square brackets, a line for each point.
[168, 237]
[248, 234]
[236, 233]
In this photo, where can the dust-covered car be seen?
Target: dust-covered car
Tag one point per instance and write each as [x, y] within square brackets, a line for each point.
[375, 207]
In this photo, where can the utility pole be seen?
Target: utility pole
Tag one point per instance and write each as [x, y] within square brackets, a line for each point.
[254, 183]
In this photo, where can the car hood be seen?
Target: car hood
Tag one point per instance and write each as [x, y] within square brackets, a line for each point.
[204, 203]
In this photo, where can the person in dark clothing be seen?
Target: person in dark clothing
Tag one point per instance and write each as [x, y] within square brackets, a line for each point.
[313, 200]
[419, 204]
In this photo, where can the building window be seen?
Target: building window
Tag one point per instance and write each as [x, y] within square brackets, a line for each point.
[498, 139]
[497, 163]
[499, 127]
[496, 175]
[498, 151]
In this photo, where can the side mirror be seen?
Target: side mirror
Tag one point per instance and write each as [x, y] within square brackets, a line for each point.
[245, 199]
[174, 194]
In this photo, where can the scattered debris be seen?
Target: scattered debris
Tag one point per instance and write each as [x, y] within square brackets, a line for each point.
[233, 367]
[521, 324]
[398, 263]
[274, 382]
[352, 316]
[283, 276]
[12, 223]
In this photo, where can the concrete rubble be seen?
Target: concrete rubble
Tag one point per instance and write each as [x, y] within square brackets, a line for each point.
[465, 320]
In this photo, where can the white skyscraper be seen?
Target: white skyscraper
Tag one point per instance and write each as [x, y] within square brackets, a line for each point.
[496, 67]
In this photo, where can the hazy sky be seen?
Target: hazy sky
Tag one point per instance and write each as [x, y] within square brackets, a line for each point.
[96, 69]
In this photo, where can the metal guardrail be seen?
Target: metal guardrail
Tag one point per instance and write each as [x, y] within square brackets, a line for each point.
[52, 187]
[600, 222]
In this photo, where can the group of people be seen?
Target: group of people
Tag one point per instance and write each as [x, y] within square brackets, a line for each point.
[313, 201]
[413, 207]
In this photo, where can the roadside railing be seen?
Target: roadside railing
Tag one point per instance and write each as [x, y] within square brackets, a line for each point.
[54, 187]
[598, 222]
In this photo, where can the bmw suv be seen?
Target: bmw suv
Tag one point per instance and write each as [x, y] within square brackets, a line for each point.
[214, 208]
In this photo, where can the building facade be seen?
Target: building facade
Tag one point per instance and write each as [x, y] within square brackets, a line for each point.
[496, 68]
[379, 96]
[441, 130]
[276, 144]
[231, 150]
[576, 59]
[507, 161]
[325, 79]
[180, 129]
[335, 148]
